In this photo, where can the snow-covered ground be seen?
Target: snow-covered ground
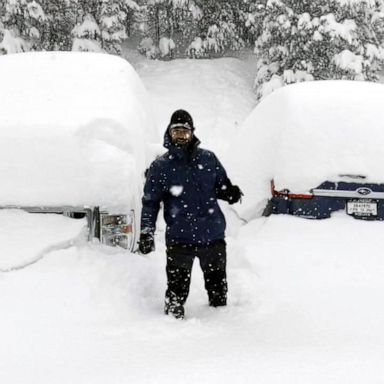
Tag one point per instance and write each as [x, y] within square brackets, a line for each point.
[304, 306]
[304, 296]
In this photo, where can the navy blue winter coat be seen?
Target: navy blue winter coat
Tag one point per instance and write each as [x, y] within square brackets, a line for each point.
[186, 181]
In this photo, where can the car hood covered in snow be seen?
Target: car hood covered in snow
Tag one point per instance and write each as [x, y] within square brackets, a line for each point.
[72, 129]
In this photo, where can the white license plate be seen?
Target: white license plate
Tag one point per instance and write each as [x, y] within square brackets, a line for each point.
[362, 208]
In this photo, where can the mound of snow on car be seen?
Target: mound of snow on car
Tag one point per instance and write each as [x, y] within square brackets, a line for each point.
[73, 129]
[304, 134]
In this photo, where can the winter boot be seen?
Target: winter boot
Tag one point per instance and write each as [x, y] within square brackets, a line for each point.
[217, 300]
[174, 310]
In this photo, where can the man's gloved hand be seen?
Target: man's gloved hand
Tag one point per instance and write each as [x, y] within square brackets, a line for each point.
[230, 193]
[234, 194]
[146, 243]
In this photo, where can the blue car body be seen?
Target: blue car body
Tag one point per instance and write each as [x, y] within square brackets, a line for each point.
[359, 199]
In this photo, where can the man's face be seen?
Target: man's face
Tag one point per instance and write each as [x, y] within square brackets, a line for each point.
[180, 136]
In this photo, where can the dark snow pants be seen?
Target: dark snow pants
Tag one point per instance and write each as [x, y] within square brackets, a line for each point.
[179, 267]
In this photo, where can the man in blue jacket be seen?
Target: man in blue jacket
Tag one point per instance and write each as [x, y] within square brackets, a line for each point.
[188, 181]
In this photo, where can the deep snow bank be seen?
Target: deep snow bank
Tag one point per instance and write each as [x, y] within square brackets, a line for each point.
[26, 237]
[217, 93]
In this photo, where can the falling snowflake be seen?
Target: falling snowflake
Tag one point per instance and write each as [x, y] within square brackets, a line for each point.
[176, 190]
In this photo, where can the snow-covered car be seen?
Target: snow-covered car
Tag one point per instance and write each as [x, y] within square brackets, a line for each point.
[319, 145]
[73, 128]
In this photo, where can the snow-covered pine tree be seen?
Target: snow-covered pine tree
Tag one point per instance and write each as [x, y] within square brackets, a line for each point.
[111, 21]
[132, 10]
[220, 27]
[161, 20]
[62, 17]
[199, 28]
[22, 25]
[187, 19]
[252, 18]
[87, 35]
[65, 24]
[115, 19]
[322, 39]
[108, 22]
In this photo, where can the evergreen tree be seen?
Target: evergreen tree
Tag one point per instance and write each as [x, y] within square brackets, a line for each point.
[166, 25]
[87, 35]
[65, 24]
[22, 25]
[169, 27]
[198, 28]
[252, 17]
[220, 27]
[323, 39]
[62, 17]
[115, 18]
[132, 10]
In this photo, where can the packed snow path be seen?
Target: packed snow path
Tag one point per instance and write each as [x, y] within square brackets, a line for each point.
[304, 306]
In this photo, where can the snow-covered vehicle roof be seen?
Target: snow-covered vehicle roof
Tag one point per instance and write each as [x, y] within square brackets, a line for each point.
[72, 129]
[304, 134]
